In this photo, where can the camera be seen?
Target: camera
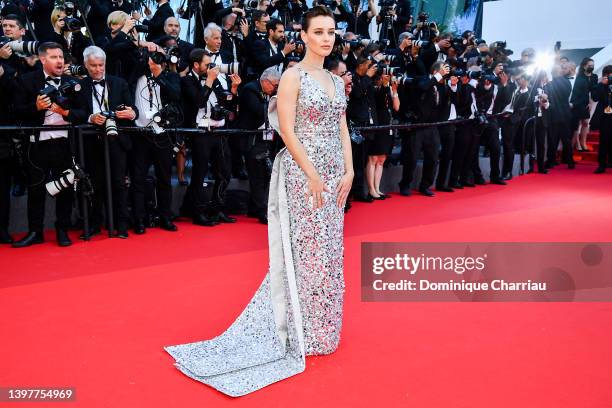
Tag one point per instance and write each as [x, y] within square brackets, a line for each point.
[405, 80]
[470, 74]
[68, 178]
[294, 36]
[481, 118]
[168, 116]
[77, 70]
[330, 4]
[110, 125]
[71, 24]
[69, 8]
[384, 69]
[141, 28]
[63, 93]
[423, 17]
[420, 43]
[229, 69]
[491, 78]
[23, 48]
[218, 112]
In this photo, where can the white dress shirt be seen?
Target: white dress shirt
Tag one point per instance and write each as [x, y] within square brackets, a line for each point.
[52, 118]
[147, 100]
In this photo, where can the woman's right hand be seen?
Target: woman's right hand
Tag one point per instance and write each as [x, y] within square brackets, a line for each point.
[315, 189]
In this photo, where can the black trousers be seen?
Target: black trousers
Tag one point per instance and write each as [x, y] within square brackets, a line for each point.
[93, 148]
[447, 146]
[604, 154]
[425, 140]
[466, 146]
[155, 149]
[359, 155]
[560, 131]
[259, 161]
[508, 131]
[536, 143]
[489, 137]
[48, 158]
[213, 149]
[5, 191]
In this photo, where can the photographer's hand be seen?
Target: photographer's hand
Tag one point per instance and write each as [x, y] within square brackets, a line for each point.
[128, 25]
[136, 15]
[503, 78]
[443, 43]
[43, 102]
[128, 113]
[58, 109]
[147, 11]
[288, 48]
[244, 28]
[372, 70]
[97, 119]
[156, 69]
[6, 52]
[211, 75]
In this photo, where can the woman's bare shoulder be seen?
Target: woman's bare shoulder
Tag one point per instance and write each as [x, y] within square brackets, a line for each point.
[290, 74]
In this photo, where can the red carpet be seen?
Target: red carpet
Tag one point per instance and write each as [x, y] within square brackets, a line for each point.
[95, 316]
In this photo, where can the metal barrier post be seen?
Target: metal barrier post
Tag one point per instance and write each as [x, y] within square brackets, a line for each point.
[84, 203]
[109, 189]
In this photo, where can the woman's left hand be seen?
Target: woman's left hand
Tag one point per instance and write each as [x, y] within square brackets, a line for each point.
[343, 188]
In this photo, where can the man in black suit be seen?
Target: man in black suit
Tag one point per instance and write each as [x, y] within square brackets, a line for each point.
[7, 78]
[559, 91]
[48, 151]
[172, 28]
[602, 118]
[260, 19]
[156, 23]
[432, 100]
[98, 14]
[106, 93]
[274, 50]
[202, 94]
[254, 100]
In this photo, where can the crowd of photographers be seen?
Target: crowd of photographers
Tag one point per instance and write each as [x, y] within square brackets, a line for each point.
[105, 65]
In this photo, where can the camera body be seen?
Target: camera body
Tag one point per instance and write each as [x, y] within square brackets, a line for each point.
[61, 95]
[72, 24]
[77, 70]
[169, 116]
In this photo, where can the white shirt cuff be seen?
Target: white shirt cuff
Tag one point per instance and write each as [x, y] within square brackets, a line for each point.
[473, 83]
[438, 76]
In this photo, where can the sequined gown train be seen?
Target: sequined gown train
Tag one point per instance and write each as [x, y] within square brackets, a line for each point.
[297, 309]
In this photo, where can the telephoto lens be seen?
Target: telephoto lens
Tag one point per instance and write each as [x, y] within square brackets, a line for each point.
[111, 127]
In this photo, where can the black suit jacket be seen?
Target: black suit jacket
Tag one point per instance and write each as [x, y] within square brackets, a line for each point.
[156, 23]
[428, 111]
[195, 96]
[118, 94]
[558, 94]
[602, 94]
[29, 86]
[262, 58]
[252, 106]
[583, 86]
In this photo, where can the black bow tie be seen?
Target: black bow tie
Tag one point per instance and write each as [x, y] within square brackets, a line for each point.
[54, 80]
[101, 82]
[214, 54]
[570, 77]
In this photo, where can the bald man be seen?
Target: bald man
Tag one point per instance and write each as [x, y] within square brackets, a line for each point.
[172, 28]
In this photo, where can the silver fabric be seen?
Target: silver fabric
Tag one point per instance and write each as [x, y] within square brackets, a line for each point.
[297, 309]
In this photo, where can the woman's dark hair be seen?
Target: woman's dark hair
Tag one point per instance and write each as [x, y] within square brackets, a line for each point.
[316, 11]
[583, 64]
[607, 70]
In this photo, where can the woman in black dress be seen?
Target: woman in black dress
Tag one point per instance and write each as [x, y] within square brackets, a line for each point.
[586, 82]
[381, 143]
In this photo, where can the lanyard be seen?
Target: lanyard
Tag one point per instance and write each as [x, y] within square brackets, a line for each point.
[101, 99]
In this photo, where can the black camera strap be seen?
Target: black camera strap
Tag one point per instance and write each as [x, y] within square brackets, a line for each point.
[101, 98]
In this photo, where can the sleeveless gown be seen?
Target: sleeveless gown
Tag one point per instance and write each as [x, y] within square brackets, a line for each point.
[297, 309]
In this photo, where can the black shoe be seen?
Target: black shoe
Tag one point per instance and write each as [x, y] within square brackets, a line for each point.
[468, 184]
[122, 233]
[444, 189]
[263, 220]
[204, 221]
[375, 198]
[5, 237]
[385, 196]
[93, 231]
[166, 224]
[571, 166]
[426, 192]
[542, 171]
[480, 181]
[139, 227]
[62, 238]
[499, 181]
[456, 185]
[225, 219]
[405, 191]
[30, 239]
[363, 199]
[508, 177]
[600, 170]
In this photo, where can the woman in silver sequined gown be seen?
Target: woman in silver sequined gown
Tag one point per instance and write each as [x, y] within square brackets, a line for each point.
[297, 309]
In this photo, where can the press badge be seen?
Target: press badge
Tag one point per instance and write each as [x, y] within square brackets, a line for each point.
[268, 134]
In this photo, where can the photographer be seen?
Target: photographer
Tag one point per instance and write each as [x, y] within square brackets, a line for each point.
[155, 23]
[432, 95]
[273, 50]
[234, 30]
[7, 78]
[436, 50]
[48, 151]
[67, 33]
[172, 28]
[362, 24]
[107, 103]
[14, 30]
[158, 99]
[406, 56]
[206, 106]
[259, 32]
[352, 48]
[260, 149]
[361, 111]
[99, 10]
